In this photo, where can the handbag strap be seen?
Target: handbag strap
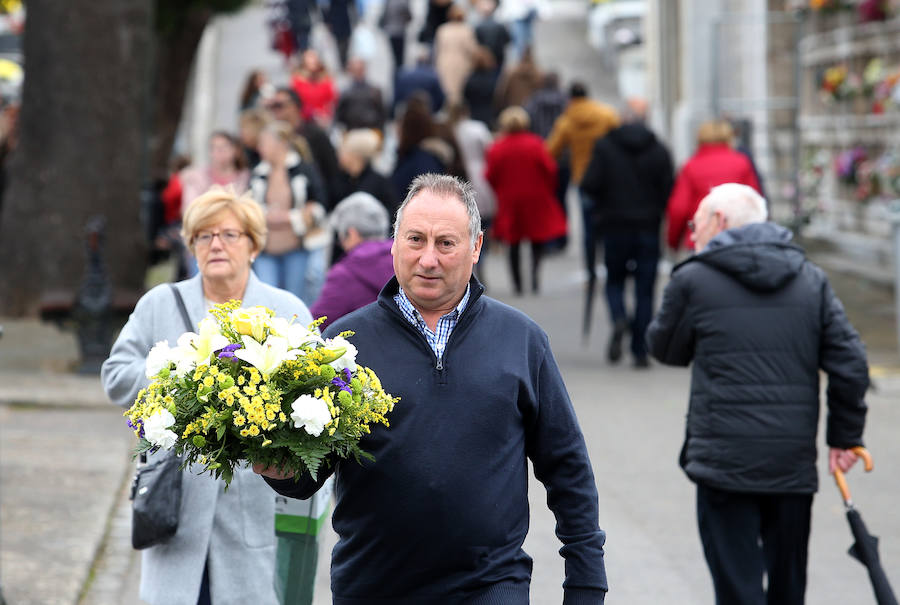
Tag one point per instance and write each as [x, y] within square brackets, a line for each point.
[183, 309]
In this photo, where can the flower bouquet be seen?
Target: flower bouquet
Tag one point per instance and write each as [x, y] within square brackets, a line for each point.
[257, 388]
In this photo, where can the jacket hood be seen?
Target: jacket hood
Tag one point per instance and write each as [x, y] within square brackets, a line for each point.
[633, 138]
[759, 255]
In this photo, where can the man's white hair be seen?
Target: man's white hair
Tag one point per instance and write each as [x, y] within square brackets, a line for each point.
[740, 204]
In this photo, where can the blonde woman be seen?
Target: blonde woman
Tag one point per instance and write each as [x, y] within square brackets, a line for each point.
[291, 194]
[715, 162]
[224, 549]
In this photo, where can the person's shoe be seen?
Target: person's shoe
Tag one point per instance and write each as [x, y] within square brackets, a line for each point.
[614, 350]
[641, 362]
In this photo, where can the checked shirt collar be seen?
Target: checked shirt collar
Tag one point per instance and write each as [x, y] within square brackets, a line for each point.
[438, 338]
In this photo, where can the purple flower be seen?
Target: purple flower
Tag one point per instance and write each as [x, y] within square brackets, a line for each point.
[342, 384]
[138, 427]
[227, 352]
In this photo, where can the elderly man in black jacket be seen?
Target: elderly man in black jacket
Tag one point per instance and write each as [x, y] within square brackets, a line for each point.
[758, 320]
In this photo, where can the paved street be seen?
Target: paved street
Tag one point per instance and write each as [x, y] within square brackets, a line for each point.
[65, 463]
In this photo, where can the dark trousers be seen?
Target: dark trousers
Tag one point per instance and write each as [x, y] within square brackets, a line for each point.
[746, 536]
[398, 47]
[514, 266]
[635, 252]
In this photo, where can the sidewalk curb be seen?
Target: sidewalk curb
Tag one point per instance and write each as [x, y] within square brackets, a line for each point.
[107, 579]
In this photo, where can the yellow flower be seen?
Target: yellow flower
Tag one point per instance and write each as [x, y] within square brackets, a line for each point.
[244, 432]
[251, 322]
[209, 381]
[239, 419]
[254, 430]
[242, 379]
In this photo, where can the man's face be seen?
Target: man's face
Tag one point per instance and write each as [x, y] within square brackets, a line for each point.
[706, 225]
[282, 108]
[433, 258]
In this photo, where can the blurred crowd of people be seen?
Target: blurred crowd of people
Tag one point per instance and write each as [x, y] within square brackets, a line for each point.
[468, 99]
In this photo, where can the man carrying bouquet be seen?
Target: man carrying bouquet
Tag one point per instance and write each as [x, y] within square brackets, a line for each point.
[441, 514]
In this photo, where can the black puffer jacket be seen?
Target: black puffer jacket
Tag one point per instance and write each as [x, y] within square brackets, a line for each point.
[630, 177]
[759, 321]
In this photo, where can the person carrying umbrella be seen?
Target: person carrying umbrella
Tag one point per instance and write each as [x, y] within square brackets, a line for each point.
[865, 549]
[758, 321]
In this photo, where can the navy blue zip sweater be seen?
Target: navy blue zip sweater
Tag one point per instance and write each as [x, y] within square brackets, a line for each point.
[440, 516]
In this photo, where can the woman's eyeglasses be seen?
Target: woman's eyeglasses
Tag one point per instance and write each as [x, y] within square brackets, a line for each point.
[229, 237]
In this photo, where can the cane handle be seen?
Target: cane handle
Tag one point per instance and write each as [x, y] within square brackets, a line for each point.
[839, 474]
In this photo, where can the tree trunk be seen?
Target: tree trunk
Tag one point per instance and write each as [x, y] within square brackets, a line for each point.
[174, 60]
[80, 149]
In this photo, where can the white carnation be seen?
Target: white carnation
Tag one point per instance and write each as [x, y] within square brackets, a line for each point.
[156, 429]
[310, 413]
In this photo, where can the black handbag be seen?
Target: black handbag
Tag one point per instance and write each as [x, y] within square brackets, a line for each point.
[156, 488]
[156, 502]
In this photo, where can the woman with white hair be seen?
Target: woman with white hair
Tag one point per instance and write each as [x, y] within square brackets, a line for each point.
[361, 224]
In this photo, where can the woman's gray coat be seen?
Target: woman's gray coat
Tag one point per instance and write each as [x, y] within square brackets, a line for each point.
[235, 529]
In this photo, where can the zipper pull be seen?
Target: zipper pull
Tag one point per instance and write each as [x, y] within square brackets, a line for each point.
[440, 364]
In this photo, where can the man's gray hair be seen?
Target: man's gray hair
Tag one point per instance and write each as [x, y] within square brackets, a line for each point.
[444, 185]
[364, 213]
[740, 204]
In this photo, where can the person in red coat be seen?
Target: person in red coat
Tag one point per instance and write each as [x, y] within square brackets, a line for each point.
[714, 163]
[315, 87]
[523, 176]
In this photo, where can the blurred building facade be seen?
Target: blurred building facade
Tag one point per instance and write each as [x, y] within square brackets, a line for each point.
[815, 85]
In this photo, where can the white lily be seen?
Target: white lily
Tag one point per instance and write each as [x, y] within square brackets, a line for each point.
[209, 340]
[265, 357]
[348, 359]
[159, 358]
[196, 348]
[297, 334]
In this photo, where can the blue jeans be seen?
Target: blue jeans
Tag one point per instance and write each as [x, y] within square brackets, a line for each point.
[635, 252]
[522, 33]
[287, 271]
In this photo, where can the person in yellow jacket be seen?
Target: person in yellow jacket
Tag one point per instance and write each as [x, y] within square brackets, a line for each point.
[576, 130]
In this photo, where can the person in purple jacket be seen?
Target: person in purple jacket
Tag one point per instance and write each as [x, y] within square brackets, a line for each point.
[361, 223]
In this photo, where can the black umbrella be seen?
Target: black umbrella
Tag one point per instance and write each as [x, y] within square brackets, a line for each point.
[588, 304]
[865, 549]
